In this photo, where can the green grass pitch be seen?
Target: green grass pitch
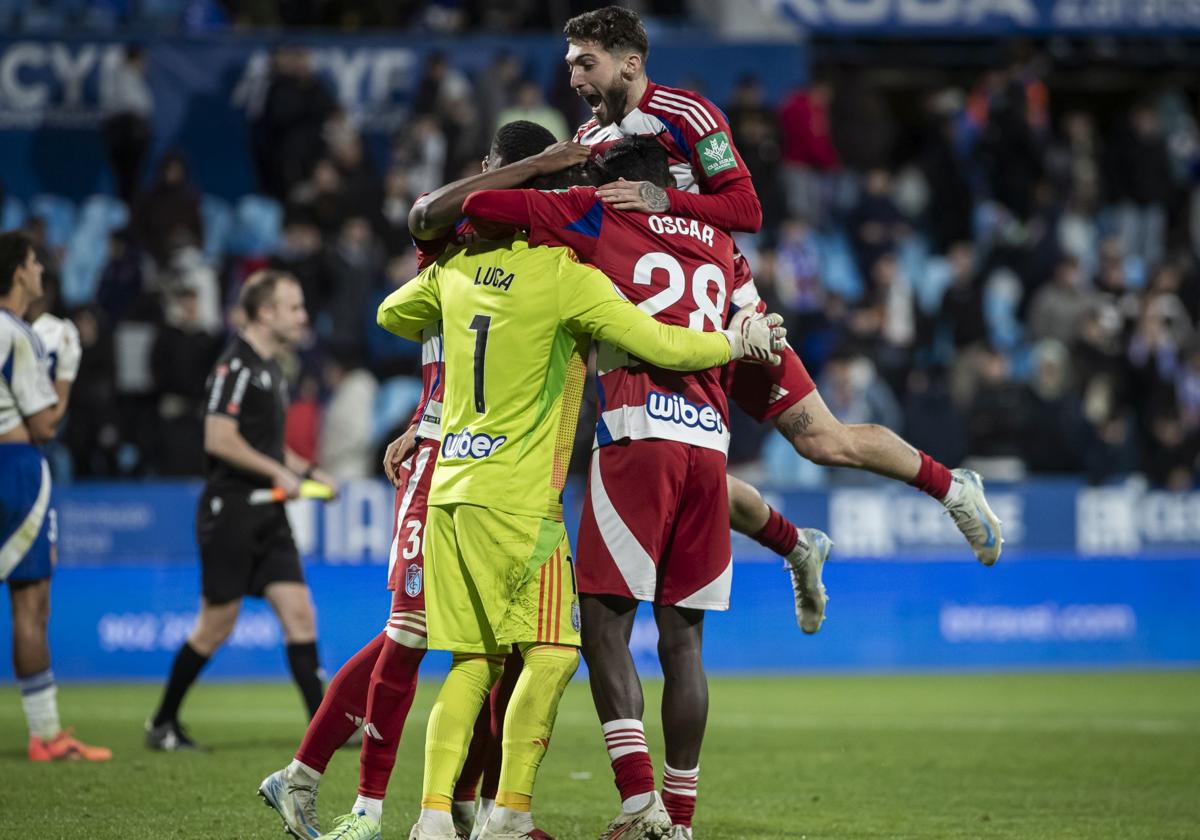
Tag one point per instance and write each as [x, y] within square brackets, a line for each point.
[1043, 756]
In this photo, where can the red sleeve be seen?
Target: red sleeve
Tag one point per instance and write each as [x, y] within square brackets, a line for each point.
[504, 206]
[734, 207]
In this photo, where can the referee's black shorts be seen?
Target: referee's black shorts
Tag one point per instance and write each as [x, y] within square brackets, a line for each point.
[243, 547]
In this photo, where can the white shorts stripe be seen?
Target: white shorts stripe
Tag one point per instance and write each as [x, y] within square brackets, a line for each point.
[13, 551]
[410, 489]
[635, 565]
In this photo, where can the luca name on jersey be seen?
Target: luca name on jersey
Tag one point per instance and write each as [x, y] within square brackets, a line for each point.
[494, 276]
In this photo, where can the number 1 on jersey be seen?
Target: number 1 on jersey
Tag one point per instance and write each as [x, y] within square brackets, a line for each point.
[480, 324]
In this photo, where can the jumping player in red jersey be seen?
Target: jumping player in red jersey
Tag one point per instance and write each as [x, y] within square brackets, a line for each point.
[654, 519]
[375, 688]
[606, 55]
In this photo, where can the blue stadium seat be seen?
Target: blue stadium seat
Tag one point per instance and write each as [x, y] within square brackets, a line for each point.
[394, 401]
[258, 221]
[12, 213]
[59, 214]
[218, 226]
[838, 270]
[1001, 296]
[87, 249]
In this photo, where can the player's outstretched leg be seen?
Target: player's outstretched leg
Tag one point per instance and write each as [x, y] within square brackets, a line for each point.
[292, 791]
[617, 693]
[804, 550]
[48, 741]
[684, 708]
[818, 436]
[528, 724]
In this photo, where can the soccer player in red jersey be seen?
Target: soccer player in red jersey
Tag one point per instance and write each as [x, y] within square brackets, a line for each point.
[606, 55]
[654, 520]
[374, 689]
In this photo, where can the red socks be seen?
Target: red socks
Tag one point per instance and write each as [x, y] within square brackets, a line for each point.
[932, 478]
[342, 710]
[633, 771]
[679, 794]
[778, 534]
[393, 684]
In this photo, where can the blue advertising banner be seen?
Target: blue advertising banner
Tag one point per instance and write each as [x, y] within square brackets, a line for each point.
[208, 92]
[1090, 578]
[960, 18]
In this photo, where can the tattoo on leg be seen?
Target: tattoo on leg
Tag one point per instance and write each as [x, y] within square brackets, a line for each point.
[655, 197]
[797, 427]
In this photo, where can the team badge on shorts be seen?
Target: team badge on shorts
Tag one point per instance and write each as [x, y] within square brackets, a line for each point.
[575, 622]
[412, 580]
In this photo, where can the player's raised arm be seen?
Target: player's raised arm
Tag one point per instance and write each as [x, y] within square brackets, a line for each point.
[433, 214]
[414, 306]
[590, 304]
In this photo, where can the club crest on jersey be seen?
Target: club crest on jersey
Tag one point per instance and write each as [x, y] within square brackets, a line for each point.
[494, 276]
[413, 576]
[466, 445]
[716, 155]
[575, 621]
[675, 408]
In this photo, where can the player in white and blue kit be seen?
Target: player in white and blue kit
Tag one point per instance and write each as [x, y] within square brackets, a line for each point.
[32, 402]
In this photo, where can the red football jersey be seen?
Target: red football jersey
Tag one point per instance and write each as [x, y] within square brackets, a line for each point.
[428, 414]
[675, 269]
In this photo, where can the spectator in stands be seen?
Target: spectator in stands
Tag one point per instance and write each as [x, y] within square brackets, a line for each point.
[288, 137]
[441, 84]
[322, 197]
[122, 281]
[998, 417]
[876, 224]
[1187, 388]
[808, 151]
[951, 203]
[497, 87]
[398, 198]
[360, 182]
[1011, 150]
[932, 422]
[347, 424]
[183, 354]
[855, 394]
[961, 314]
[1141, 186]
[756, 127]
[889, 320]
[863, 131]
[167, 216]
[301, 256]
[1054, 428]
[1173, 457]
[1059, 305]
[531, 105]
[354, 265]
[128, 110]
[421, 151]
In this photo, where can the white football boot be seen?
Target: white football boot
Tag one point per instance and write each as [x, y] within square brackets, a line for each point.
[651, 823]
[805, 563]
[295, 800]
[974, 518]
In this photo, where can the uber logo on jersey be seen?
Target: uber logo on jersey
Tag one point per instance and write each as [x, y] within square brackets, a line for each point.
[494, 276]
[675, 408]
[466, 445]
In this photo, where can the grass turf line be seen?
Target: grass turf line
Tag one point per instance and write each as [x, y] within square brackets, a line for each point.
[1045, 756]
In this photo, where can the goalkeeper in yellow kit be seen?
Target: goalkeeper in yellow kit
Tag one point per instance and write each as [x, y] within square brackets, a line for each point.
[516, 322]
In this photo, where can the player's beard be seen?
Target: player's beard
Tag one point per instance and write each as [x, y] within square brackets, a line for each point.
[614, 102]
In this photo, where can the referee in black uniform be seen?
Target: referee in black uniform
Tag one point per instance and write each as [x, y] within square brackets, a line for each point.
[246, 545]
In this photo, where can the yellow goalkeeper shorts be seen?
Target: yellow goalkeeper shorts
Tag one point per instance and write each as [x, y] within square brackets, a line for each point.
[495, 579]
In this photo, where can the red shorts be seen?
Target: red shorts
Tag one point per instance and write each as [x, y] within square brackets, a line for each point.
[406, 558]
[655, 525]
[764, 392]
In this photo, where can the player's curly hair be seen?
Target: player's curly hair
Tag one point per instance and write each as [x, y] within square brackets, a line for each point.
[640, 158]
[616, 29]
[520, 139]
[14, 250]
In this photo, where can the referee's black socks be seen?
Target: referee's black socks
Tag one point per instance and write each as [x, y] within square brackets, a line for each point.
[306, 671]
[184, 670]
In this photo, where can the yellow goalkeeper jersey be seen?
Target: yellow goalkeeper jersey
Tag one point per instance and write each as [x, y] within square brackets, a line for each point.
[515, 326]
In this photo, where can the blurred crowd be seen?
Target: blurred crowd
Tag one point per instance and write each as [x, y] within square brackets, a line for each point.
[1004, 281]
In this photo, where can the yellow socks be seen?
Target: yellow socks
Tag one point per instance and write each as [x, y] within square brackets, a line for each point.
[451, 723]
[530, 719]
